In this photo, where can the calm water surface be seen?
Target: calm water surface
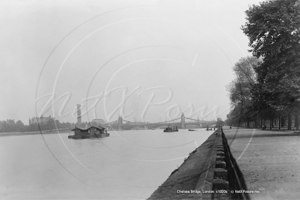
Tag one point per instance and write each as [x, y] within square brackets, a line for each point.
[127, 165]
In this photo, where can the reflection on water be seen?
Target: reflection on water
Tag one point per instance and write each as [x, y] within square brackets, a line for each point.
[127, 165]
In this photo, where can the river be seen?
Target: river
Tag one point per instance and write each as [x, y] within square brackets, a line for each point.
[126, 165]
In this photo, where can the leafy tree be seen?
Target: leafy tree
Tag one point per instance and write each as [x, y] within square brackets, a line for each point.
[3, 126]
[273, 29]
[50, 125]
[20, 126]
[240, 89]
[245, 79]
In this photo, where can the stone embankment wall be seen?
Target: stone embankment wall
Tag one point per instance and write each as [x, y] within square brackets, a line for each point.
[210, 172]
[235, 177]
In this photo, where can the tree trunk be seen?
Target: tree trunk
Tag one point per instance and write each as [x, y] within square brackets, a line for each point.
[271, 123]
[289, 121]
[297, 122]
[260, 123]
[279, 122]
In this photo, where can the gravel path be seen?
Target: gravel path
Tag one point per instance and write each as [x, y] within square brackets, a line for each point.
[269, 160]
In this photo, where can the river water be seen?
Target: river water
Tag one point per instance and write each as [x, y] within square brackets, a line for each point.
[126, 165]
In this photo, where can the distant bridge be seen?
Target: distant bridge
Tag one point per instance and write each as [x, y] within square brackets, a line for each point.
[181, 122]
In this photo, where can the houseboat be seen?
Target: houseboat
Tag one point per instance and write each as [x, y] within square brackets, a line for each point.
[90, 132]
[171, 129]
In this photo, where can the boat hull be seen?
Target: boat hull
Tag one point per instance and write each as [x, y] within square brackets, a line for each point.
[170, 130]
[88, 136]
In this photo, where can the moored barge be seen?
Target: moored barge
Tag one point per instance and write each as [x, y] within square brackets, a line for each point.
[90, 132]
[171, 129]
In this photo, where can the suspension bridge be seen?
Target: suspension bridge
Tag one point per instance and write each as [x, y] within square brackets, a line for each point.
[181, 122]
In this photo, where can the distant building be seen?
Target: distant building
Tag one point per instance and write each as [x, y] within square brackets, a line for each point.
[40, 120]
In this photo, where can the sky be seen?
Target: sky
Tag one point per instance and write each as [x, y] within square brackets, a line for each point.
[146, 60]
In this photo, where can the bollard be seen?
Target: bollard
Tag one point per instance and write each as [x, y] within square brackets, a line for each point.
[220, 173]
[220, 164]
[219, 184]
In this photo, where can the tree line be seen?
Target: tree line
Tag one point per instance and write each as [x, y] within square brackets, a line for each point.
[266, 89]
[11, 126]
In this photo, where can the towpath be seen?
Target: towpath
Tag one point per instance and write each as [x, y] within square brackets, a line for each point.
[269, 160]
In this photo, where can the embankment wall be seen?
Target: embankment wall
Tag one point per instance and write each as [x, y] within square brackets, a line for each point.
[209, 172]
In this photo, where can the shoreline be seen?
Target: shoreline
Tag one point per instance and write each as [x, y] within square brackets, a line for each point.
[32, 133]
[209, 172]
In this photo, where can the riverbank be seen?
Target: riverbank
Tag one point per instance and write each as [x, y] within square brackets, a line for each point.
[183, 181]
[210, 172]
[269, 160]
[33, 133]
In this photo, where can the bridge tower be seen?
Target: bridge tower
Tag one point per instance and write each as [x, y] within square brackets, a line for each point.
[120, 123]
[182, 121]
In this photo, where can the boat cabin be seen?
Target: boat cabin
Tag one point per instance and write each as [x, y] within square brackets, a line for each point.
[171, 128]
[90, 132]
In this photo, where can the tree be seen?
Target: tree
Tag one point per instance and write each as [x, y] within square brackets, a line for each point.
[220, 122]
[245, 79]
[3, 126]
[20, 125]
[240, 89]
[50, 125]
[273, 29]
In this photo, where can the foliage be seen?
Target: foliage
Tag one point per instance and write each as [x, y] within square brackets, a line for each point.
[12, 126]
[273, 29]
[240, 89]
[272, 89]
[245, 79]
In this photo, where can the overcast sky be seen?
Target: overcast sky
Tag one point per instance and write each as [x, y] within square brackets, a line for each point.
[158, 57]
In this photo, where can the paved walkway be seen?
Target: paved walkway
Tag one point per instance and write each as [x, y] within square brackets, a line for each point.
[269, 160]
